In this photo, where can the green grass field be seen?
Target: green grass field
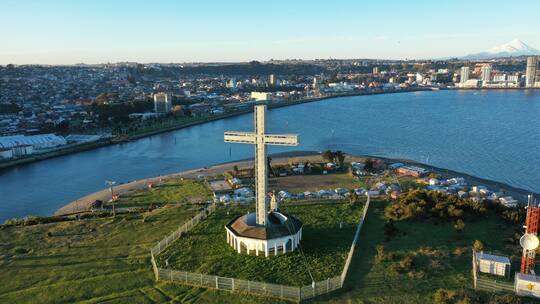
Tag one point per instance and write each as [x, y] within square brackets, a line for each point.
[89, 260]
[173, 191]
[107, 260]
[325, 246]
[441, 259]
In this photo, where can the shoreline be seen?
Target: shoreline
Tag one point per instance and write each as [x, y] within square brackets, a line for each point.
[115, 141]
[82, 204]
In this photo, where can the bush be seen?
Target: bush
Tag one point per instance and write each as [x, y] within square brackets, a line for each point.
[443, 296]
[421, 203]
[478, 245]
[406, 263]
[20, 250]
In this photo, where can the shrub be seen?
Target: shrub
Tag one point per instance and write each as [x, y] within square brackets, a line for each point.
[443, 296]
[20, 250]
[478, 245]
[406, 263]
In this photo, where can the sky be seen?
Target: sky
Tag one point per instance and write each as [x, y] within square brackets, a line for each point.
[99, 31]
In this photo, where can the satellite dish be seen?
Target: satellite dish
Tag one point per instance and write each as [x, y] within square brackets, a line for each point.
[529, 241]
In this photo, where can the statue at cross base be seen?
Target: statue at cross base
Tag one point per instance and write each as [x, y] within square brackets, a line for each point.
[267, 230]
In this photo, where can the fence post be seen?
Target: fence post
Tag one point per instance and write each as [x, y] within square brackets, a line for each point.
[232, 284]
[185, 275]
[217, 285]
[327, 285]
[170, 275]
[249, 289]
[474, 268]
[299, 294]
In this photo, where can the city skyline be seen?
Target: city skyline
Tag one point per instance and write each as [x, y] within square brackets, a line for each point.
[69, 32]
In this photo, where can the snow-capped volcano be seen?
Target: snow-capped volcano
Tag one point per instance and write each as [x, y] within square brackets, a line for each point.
[513, 48]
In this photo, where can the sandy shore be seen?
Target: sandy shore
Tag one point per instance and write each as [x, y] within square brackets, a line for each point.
[83, 204]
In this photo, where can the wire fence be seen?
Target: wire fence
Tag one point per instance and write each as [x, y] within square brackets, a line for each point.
[168, 240]
[284, 292]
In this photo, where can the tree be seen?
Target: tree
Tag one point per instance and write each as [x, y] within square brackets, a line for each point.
[368, 164]
[353, 197]
[328, 155]
[443, 296]
[269, 163]
[390, 229]
[63, 126]
[459, 225]
[340, 157]
[380, 253]
[478, 245]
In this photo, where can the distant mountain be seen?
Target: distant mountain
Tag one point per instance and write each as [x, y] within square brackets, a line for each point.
[513, 48]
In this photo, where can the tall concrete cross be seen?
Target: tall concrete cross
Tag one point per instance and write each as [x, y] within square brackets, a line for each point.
[260, 139]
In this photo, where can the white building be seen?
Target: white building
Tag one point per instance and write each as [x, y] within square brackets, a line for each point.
[41, 141]
[486, 73]
[527, 285]
[419, 78]
[261, 96]
[231, 83]
[470, 83]
[508, 201]
[464, 74]
[493, 264]
[272, 80]
[162, 103]
[247, 238]
[6, 153]
[531, 71]
[23, 150]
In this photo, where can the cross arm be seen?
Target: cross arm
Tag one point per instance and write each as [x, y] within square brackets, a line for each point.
[239, 137]
[281, 140]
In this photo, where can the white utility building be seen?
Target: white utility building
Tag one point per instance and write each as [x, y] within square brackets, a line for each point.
[493, 264]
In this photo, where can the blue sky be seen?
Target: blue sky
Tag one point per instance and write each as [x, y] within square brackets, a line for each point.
[73, 31]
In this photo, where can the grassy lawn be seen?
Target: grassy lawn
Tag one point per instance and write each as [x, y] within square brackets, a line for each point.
[107, 260]
[441, 259]
[325, 246]
[301, 183]
[173, 191]
[89, 260]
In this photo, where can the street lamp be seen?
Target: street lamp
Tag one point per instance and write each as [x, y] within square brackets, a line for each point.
[111, 185]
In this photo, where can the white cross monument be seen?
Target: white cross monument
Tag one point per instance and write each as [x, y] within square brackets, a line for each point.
[268, 231]
[260, 139]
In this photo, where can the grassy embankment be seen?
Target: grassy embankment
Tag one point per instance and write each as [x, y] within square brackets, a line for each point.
[172, 191]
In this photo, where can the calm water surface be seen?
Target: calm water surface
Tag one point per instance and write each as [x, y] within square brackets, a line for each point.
[490, 134]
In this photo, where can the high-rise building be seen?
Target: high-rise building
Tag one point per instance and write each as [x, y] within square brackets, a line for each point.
[375, 70]
[486, 73]
[272, 80]
[530, 73]
[464, 74]
[162, 103]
